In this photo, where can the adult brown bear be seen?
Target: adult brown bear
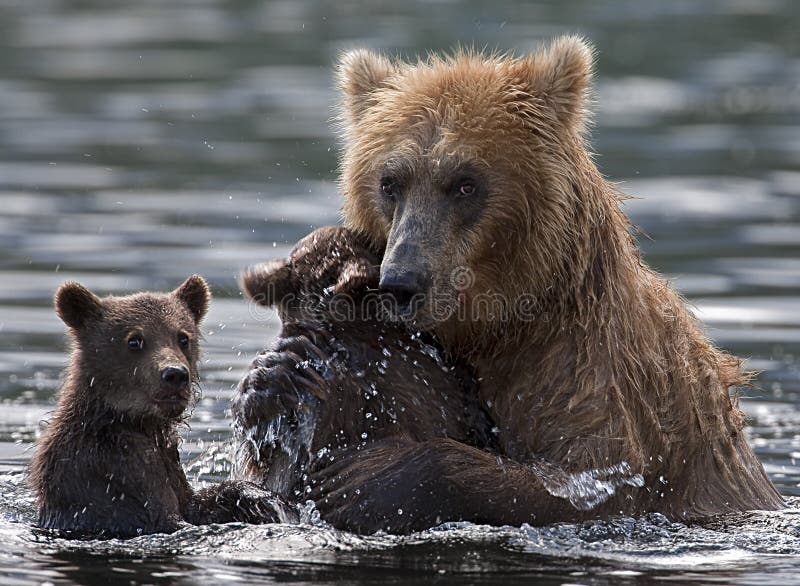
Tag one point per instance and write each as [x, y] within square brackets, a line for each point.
[469, 175]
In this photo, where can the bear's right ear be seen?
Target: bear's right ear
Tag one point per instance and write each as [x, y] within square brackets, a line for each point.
[76, 305]
[361, 72]
[561, 73]
[269, 283]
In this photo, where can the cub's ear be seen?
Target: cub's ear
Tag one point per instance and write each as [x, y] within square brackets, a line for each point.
[194, 294]
[76, 305]
[359, 73]
[268, 283]
[357, 275]
[561, 73]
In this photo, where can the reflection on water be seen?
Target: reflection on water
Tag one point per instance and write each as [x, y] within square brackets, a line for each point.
[141, 142]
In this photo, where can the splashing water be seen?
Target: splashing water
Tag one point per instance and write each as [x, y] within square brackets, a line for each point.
[279, 447]
[214, 461]
[585, 490]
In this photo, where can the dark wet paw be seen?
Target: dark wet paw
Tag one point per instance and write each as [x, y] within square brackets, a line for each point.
[282, 382]
[276, 409]
[239, 501]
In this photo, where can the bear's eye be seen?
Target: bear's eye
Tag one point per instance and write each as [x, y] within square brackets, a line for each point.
[136, 342]
[388, 187]
[183, 340]
[466, 189]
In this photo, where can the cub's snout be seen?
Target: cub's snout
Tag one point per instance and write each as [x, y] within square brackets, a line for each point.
[175, 392]
[175, 377]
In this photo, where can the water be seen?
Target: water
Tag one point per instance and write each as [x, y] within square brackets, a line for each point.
[143, 141]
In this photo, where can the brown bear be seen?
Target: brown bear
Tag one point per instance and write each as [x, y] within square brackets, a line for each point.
[470, 174]
[345, 394]
[108, 460]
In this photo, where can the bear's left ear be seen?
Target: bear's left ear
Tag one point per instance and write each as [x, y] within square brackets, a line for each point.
[194, 294]
[561, 74]
[361, 72]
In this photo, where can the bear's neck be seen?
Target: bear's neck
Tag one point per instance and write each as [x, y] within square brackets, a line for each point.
[610, 301]
[617, 340]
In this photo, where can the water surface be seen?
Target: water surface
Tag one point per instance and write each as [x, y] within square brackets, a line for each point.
[141, 142]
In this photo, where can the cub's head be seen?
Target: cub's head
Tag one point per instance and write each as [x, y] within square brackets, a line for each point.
[137, 354]
[329, 266]
[470, 171]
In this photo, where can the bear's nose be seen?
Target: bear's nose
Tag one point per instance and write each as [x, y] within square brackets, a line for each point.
[403, 286]
[175, 376]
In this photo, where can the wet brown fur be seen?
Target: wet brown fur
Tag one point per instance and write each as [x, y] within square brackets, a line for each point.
[377, 401]
[614, 367]
[107, 462]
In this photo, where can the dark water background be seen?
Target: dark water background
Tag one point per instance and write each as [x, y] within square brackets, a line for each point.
[143, 141]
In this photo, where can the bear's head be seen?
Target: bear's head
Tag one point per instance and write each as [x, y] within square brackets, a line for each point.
[136, 354]
[470, 172]
[326, 273]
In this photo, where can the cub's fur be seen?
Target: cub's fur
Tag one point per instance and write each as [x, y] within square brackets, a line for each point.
[345, 407]
[108, 460]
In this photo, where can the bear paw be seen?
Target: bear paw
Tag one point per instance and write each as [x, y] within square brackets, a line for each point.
[283, 381]
[238, 501]
[275, 412]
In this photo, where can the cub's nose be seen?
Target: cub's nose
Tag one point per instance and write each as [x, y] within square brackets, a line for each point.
[403, 286]
[175, 376]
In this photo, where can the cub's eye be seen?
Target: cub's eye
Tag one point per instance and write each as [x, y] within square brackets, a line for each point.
[136, 342]
[466, 189]
[183, 340]
[388, 187]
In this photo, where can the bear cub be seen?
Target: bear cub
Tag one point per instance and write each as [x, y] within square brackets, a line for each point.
[346, 404]
[108, 460]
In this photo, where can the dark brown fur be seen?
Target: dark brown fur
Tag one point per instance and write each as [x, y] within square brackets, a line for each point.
[108, 460]
[336, 408]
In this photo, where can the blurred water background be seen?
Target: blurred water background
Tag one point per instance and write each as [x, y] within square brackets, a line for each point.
[143, 141]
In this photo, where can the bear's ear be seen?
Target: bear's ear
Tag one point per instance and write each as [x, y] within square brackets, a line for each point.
[561, 74]
[357, 275]
[76, 305]
[269, 283]
[361, 72]
[194, 294]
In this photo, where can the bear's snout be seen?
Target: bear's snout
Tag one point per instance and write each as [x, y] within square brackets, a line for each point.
[174, 396]
[404, 286]
[176, 377]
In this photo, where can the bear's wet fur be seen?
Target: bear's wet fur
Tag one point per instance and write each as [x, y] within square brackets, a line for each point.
[588, 360]
[107, 463]
[468, 179]
[346, 407]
